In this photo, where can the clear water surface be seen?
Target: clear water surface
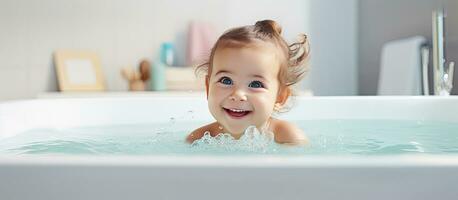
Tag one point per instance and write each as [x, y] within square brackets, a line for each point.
[327, 137]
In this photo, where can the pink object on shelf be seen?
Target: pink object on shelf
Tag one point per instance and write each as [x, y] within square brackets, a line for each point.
[201, 38]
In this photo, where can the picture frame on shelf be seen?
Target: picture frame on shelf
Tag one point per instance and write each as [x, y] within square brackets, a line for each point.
[78, 71]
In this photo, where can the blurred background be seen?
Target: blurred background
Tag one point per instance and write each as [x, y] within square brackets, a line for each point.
[346, 37]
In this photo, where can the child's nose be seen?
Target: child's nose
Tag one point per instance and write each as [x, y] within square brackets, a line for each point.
[238, 95]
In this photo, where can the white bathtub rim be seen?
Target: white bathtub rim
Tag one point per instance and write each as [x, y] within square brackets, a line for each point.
[202, 97]
[445, 112]
[251, 161]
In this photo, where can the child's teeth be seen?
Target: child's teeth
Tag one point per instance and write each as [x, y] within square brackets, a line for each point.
[235, 110]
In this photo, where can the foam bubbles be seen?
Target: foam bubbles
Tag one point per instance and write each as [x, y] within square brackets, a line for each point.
[252, 140]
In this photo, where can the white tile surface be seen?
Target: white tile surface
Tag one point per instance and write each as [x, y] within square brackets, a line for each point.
[13, 83]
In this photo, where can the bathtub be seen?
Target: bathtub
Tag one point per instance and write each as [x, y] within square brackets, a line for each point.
[229, 177]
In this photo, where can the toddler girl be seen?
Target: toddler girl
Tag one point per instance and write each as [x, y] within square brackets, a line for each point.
[250, 73]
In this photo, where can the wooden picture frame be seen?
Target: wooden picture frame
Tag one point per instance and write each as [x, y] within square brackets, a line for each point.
[78, 71]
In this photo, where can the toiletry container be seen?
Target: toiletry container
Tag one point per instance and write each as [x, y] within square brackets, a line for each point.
[167, 53]
[158, 76]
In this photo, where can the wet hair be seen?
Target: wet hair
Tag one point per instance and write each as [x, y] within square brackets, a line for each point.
[293, 57]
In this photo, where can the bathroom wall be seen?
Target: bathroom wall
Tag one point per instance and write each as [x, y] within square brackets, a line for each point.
[383, 21]
[123, 32]
[334, 41]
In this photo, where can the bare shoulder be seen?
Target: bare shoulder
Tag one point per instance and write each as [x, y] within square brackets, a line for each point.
[287, 133]
[199, 133]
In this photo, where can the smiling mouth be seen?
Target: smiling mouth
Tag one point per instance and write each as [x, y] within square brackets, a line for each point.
[237, 113]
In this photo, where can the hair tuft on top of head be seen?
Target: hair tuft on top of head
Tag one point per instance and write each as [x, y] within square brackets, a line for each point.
[268, 26]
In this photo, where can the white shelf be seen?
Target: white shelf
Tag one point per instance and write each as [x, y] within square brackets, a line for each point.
[48, 95]
[183, 78]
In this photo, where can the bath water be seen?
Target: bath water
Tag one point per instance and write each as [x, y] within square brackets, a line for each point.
[327, 137]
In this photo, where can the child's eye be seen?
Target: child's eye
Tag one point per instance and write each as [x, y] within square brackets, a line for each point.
[256, 84]
[225, 80]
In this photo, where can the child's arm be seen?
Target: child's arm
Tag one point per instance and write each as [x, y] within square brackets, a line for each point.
[289, 134]
[199, 133]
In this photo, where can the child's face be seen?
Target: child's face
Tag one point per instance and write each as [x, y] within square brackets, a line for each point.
[243, 86]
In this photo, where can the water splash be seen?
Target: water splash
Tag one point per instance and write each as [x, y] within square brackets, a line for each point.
[252, 140]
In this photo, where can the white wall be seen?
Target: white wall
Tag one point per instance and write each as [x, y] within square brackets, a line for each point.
[123, 32]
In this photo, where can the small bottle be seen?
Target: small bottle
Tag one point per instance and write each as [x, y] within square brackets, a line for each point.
[158, 76]
[166, 53]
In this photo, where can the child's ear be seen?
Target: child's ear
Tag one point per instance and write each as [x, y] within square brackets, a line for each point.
[283, 95]
[206, 84]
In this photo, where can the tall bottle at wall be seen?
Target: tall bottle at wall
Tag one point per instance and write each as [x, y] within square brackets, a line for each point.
[158, 76]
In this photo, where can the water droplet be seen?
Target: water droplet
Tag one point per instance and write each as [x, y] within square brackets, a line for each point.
[172, 120]
[191, 113]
